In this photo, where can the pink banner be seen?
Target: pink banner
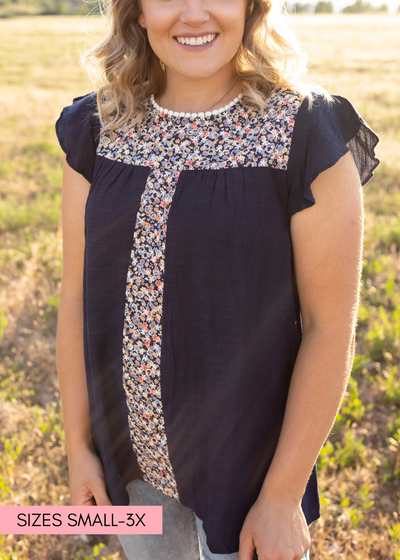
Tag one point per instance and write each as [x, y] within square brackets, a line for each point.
[75, 520]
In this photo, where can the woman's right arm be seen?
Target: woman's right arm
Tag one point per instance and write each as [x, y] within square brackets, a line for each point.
[86, 475]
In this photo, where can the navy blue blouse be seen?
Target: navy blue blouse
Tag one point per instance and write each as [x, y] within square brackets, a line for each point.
[191, 314]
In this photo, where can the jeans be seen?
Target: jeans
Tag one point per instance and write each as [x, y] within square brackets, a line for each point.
[183, 537]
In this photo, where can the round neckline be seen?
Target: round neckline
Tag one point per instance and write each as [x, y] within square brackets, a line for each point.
[202, 115]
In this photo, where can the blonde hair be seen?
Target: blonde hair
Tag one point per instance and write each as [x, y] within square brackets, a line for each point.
[270, 57]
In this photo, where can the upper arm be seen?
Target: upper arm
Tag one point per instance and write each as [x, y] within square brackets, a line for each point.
[75, 190]
[327, 249]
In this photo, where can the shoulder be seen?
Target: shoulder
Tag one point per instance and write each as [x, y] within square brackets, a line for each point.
[328, 116]
[80, 117]
[78, 131]
[84, 104]
[295, 110]
[272, 128]
[325, 129]
[89, 100]
[281, 109]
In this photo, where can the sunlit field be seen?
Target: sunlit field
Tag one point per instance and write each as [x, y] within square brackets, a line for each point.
[359, 466]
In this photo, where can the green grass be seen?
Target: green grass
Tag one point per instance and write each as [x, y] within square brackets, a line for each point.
[39, 210]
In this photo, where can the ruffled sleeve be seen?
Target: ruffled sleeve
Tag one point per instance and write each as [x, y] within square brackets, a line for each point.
[320, 137]
[78, 129]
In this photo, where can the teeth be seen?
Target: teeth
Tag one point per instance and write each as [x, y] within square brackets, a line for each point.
[196, 40]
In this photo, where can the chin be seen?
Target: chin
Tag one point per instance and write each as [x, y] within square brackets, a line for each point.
[197, 73]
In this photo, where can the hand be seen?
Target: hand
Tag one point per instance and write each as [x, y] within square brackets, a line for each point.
[86, 480]
[276, 528]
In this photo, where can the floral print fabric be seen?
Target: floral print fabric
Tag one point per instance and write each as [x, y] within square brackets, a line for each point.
[237, 137]
[142, 334]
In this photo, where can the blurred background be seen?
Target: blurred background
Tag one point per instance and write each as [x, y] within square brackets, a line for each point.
[355, 53]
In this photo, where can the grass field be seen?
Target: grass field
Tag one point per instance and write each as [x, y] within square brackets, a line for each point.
[359, 466]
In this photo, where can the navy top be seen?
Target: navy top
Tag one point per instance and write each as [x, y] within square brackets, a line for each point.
[191, 313]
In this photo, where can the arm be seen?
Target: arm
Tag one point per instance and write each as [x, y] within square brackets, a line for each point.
[327, 248]
[85, 469]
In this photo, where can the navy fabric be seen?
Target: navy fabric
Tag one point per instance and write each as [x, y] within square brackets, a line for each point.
[320, 137]
[111, 208]
[78, 130]
[231, 325]
[229, 288]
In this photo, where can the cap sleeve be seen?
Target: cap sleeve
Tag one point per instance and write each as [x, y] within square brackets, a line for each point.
[320, 138]
[78, 129]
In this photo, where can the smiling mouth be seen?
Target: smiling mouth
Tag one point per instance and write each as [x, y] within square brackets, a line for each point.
[194, 41]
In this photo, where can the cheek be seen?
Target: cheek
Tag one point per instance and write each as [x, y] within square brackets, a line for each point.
[234, 29]
[157, 33]
[232, 22]
[159, 25]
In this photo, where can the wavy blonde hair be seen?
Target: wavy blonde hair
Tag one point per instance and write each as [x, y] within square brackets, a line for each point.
[269, 57]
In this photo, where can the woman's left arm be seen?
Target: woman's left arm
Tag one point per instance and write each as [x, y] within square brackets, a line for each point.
[327, 249]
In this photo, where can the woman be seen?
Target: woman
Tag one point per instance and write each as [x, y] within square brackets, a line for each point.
[209, 195]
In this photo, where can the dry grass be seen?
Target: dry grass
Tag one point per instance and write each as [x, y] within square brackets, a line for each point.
[359, 467]
[356, 57]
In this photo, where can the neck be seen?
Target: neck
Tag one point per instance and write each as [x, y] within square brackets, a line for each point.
[199, 95]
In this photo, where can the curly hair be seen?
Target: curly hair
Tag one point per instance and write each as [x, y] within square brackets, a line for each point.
[270, 57]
